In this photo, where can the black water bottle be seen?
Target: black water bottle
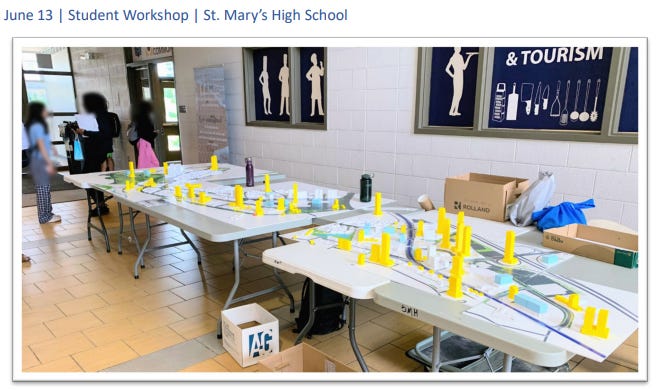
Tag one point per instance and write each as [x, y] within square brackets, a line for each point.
[366, 187]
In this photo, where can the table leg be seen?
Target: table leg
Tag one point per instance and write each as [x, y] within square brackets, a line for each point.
[103, 230]
[120, 249]
[89, 209]
[196, 250]
[236, 284]
[132, 214]
[351, 329]
[275, 236]
[507, 362]
[140, 258]
[436, 349]
[311, 312]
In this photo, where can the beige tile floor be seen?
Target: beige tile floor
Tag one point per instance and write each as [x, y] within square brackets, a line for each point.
[83, 310]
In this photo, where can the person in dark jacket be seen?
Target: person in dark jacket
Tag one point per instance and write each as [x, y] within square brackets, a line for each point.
[142, 121]
[98, 144]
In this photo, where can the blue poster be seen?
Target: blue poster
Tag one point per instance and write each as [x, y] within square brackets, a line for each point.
[553, 88]
[311, 67]
[452, 86]
[628, 120]
[271, 84]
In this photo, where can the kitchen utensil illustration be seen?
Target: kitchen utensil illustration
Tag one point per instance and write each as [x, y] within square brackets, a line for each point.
[584, 116]
[564, 115]
[499, 103]
[574, 113]
[594, 116]
[537, 100]
[544, 97]
[527, 90]
[512, 104]
[555, 106]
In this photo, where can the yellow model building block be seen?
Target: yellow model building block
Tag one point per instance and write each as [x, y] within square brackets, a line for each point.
[571, 301]
[129, 186]
[418, 254]
[375, 251]
[420, 228]
[203, 198]
[466, 242]
[281, 205]
[191, 188]
[238, 197]
[460, 218]
[455, 287]
[403, 229]
[165, 168]
[508, 257]
[360, 235]
[295, 191]
[378, 204]
[267, 183]
[457, 269]
[131, 169]
[213, 163]
[312, 242]
[385, 256]
[335, 205]
[441, 216]
[178, 192]
[513, 290]
[445, 236]
[459, 239]
[600, 329]
[361, 259]
[259, 207]
[344, 244]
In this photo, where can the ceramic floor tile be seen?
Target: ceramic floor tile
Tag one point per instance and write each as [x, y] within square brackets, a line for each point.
[154, 340]
[118, 312]
[340, 348]
[29, 358]
[194, 307]
[159, 272]
[65, 364]
[155, 301]
[174, 358]
[397, 322]
[36, 334]
[47, 299]
[588, 365]
[410, 339]
[193, 290]
[195, 326]
[66, 270]
[390, 359]
[105, 356]
[122, 295]
[227, 361]
[80, 305]
[155, 318]
[632, 340]
[211, 342]
[42, 314]
[111, 332]
[60, 347]
[30, 289]
[158, 285]
[33, 277]
[86, 289]
[373, 336]
[73, 323]
[625, 355]
[57, 284]
[209, 365]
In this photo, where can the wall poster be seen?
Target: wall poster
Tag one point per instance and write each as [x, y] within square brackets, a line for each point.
[553, 88]
[312, 76]
[628, 120]
[452, 86]
[212, 129]
[271, 80]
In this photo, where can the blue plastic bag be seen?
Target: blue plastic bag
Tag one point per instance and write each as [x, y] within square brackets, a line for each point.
[563, 214]
[77, 150]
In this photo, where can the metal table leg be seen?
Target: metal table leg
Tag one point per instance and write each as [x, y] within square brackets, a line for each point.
[351, 330]
[311, 312]
[275, 236]
[140, 258]
[436, 349]
[102, 230]
[120, 249]
[507, 362]
[236, 284]
[196, 250]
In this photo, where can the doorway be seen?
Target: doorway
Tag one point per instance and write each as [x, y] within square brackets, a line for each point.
[156, 82]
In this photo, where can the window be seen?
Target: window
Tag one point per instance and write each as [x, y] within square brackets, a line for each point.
[556, 93]
[171, 109]
[285, 87]
[49, 79]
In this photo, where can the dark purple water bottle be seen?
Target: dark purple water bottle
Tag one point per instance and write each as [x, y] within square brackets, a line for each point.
[249, 167]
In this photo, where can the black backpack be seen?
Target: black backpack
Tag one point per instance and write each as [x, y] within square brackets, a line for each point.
[328, 319]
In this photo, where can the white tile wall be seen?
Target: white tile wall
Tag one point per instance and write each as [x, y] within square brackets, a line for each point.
[371, 98]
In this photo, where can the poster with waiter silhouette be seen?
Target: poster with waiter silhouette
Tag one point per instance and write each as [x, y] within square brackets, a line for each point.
[452, 86]
[312, 68]
[551, 88]
[271, 84]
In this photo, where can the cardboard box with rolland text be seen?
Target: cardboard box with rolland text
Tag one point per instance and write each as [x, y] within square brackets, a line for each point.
[301, 358]
[596, 243]
[482, 196]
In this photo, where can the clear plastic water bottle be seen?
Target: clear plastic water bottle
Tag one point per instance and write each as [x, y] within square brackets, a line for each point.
[249, 167]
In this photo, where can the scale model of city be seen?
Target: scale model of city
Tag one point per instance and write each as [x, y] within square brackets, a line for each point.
[500, 282]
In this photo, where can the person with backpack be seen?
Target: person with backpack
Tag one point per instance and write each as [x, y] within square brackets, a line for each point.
[110, 123]
[142, 126]
[41, 164]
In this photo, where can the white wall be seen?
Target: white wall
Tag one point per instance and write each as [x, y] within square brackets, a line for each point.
[370, 97]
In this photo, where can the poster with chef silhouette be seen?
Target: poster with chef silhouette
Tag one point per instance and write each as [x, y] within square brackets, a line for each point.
[452, 86]
[553, 88]
[271, 84]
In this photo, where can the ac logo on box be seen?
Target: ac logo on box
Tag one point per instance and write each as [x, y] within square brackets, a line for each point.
[259, 343]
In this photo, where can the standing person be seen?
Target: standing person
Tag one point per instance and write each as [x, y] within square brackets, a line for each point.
[41, 165]
[142, 123]
[314, 75]
[110, 128]
[96, 142]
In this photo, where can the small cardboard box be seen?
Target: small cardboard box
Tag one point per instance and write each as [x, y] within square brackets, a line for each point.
[249, 333]
[482, 196]
[301, 358]
[596, 243]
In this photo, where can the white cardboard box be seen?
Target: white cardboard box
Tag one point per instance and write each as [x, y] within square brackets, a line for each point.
[249, 344]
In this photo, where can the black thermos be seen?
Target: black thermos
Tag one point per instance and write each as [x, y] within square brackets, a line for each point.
[366, 187]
